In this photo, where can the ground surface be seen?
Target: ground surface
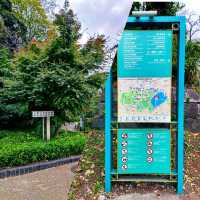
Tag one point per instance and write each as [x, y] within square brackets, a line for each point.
[49, 184]
[89, 178]
[154, 196]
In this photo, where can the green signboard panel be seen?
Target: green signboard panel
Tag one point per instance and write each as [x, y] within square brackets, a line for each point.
[143, 151]
[145, 53]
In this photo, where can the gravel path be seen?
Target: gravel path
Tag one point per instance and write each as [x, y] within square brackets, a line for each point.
[49, 184]
[154, 196]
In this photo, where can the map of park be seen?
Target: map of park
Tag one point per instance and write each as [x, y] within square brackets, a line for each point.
[142, 99]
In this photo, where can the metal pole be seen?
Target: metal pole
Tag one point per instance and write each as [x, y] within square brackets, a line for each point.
[43, 128]
[108, 139]
[180, 142]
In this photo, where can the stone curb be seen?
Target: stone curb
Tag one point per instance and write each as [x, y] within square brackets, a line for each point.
[36, 167]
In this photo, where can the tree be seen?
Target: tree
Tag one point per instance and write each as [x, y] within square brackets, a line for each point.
[66, 76]
[192, 63]
[12, 30]
[163, 8]
[5, 66]
[10, 108]
[192, 73]
[58, 78]
[49, 6]
[193, 24]
[94, 52]
[68, 25]
[32, 14]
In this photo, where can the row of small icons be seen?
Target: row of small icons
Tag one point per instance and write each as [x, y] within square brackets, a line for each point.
[125, 151]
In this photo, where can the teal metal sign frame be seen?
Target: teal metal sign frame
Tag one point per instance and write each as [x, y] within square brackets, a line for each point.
[179, 172]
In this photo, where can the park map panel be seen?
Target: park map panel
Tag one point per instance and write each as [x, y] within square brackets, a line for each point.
[144, 100]
[144, 76]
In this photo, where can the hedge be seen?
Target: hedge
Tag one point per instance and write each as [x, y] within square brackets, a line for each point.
[22, 148]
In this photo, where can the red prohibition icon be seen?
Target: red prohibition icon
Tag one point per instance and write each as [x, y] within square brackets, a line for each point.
[124, 151]
[124, 135]
[124, 159]
[149, 136]
[149, 151]
[149, 159]
[150, 143]
[124, 167]
[124, 143]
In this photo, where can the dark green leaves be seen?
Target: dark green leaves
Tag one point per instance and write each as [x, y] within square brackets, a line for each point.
[20, 148]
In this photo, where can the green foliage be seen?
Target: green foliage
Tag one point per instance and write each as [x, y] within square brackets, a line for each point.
[192, 63]
[11, 108]
[12, 30]
[49, 6]
[7, 111]
[59, 78]
[5, 65]
[32, 14]
[21, 148]
[98, 187]
[163, 8]
[68, 25]
[92, 111]
[93, 52]
[136, 6]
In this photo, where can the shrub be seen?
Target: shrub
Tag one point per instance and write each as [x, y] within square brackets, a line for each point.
[22, 148]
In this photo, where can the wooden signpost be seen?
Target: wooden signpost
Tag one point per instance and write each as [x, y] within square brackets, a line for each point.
[44, 115]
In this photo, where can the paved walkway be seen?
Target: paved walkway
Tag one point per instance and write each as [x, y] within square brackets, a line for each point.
[49, 184]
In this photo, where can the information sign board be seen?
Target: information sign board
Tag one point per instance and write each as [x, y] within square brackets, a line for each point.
[144, 151]
[145, 53]
[42, 113]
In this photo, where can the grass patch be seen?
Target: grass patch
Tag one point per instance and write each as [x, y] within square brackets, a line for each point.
[20, 148]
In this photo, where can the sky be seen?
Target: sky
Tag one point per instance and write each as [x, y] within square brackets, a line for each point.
[108, 16]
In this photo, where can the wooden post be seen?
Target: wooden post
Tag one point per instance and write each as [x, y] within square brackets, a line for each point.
[43, 128]
[48, 129]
